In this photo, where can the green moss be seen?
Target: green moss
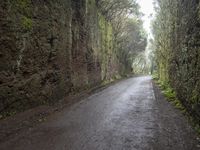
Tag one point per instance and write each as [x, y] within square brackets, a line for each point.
[195, 96]
[23, 9]
[23, 4]
[7, 114]
[155, 76]
[178, 105]
[170, 94]
[107, 50]
[26, 23]
[103, 25]
[117, 77]
[163, 85]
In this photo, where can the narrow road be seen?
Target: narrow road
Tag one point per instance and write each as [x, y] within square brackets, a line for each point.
[124, 116]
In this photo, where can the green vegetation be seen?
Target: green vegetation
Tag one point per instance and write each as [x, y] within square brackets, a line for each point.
[22, 4]
[26, 23]
[128, 36]
[23, 8]
[7, 114]
[176, 52]
[170, 95]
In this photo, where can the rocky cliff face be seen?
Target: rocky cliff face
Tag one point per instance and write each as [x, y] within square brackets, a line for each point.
[178, 50]
[184, 67]
[51, 48]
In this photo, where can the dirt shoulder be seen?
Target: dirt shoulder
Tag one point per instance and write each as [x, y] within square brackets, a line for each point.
[174, 129]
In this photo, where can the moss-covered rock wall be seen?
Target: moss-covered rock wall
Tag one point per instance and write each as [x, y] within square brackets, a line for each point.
[49, 49]
[184, 66]
[177, 41]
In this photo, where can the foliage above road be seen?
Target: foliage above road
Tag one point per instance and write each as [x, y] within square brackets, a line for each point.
[129, 34]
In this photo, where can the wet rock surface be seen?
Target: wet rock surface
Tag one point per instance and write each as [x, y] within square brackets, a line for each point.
[50, 49]
[125, 116]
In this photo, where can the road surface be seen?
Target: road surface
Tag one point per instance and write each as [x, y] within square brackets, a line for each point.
[124, 116]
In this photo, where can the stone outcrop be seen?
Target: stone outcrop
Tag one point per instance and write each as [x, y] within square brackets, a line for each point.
[49, 49]
[178, 51]
[184, 67]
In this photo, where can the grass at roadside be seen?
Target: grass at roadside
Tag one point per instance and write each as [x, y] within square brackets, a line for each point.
[170, 95]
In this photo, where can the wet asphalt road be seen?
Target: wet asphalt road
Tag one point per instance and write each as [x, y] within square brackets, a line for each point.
[124, 116]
